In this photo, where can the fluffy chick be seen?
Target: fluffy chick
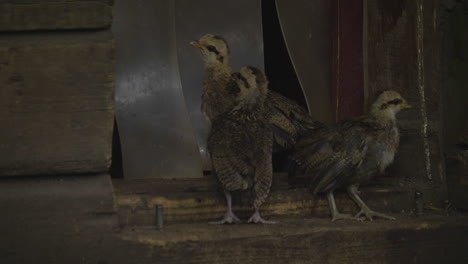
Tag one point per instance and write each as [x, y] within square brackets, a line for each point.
[352, 152]
[241, 143]
[219, 88]
[287, 118]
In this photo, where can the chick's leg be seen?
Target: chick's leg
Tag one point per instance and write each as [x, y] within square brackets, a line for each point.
[365, 210]
[257, 219]
[229, 217]
[263, 180]
[334, 211]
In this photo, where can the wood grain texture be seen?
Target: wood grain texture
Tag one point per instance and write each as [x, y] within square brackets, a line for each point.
[20, 15]
[57, 103]
[393, 62]
[409, 240]
[58, 195]
[91, 239]
[198, 201]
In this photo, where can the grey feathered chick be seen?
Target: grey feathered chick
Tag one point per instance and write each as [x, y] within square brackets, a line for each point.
[240, 145]
[352, 152]
[288, 119]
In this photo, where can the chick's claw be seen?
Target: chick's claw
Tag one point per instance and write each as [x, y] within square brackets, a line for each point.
[369, 214]
[346, 217]
[229, 218]
[257, 219]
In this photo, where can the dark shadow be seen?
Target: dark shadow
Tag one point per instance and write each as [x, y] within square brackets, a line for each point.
[278, 65]
[116, 169]
[454, 21]
[279, 68]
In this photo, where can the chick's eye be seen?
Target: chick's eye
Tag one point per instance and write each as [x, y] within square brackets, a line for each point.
[211, 48]
[395, 101]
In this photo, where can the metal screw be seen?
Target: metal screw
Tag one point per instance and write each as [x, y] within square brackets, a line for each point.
[418, 198]
[159, 216]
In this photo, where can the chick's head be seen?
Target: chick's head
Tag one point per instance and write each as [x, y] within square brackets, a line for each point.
[388, 104]
[252, 83]
[214, 49]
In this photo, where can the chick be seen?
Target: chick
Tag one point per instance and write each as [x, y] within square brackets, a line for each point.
[352, 152]
[219, 88]
[241, 143]
[287, 118]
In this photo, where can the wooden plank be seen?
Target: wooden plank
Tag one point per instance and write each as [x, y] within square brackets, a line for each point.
[409, 240]
[200, 200]
[455, 124]
[58, 195]
[55, 218]
[56, 103]
[16, 15]
[402, 55]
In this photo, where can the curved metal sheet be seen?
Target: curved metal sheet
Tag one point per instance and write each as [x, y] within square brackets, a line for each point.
[156, 135]
[307, 30]
[240, 23]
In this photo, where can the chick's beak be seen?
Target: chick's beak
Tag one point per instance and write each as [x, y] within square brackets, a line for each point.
[405, 105]
[195, 44]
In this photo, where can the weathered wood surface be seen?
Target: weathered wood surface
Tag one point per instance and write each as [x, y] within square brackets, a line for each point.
[93, 240]
[56, 103]
[455, 100]
[47, 196]
[55, 219]
[199, 201]
[70, 219]
[408, 240]
[21, 15]
[403, 40]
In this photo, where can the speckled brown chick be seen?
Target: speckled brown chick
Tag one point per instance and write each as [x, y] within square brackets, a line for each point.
[241, 143]
[219, 88]
[288, 119]
[352, 152]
